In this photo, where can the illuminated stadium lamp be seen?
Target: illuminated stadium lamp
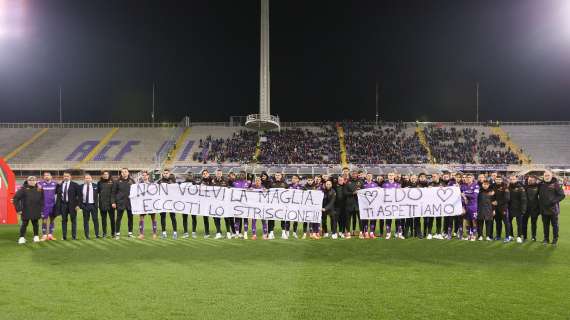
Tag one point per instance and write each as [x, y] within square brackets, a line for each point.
[263, 121]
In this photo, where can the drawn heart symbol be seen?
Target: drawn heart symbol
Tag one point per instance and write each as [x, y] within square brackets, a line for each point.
[444, 194]
[370, 196]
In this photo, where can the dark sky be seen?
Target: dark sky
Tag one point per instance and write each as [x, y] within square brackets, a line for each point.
[325, 58]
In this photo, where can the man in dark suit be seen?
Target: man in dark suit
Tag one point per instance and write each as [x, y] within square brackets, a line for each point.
[90, 198]
[69, 195]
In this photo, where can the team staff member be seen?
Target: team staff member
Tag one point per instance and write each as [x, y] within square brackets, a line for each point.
[168, 178]
[550, 194]
[351, 187]
[105, 188]
[145, 177]
[277, 183]
[69, 195]
[485, 203]
[120, 201]
[532, 208]
[310, 185]
[207, 181]
[29, 202]
[340, 208]
[517, 206]
[329, 207]
[90, 199]
[502, 195]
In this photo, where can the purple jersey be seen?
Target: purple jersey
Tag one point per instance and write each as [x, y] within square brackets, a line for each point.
[295, 186]
[452, 183]
[49, 192]
[368, 185]
[391, 185]
[471, 193]
[241, 184]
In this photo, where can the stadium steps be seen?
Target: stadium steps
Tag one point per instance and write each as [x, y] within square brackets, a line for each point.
[424, 143]
[510, 144]
[342, 145]
[172, 153]
[97, 148]
[24, 145]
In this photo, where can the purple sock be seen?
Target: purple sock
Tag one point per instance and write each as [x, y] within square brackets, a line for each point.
[44, 228]
[253, 226]
[373, 227]
[460, 232]
[264, 225]
[388, 229]
[236, 225]
[154, 228]
[245, 225]
[141, 227]
[51, 226]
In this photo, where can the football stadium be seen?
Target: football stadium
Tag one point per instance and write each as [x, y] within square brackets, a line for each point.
[161, 208]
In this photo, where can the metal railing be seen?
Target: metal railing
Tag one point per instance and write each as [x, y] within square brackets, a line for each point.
[86, 125]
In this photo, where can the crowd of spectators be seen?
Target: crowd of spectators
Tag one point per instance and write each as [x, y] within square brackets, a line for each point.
[301, 145]
[368, 143]
[240, 148]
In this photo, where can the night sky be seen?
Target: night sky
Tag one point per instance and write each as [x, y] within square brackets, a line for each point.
[325, 59]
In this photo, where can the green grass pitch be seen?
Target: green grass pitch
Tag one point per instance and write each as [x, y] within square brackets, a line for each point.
[298, 279]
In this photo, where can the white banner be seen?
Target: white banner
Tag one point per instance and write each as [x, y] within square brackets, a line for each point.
[400, 203]
[222, 202]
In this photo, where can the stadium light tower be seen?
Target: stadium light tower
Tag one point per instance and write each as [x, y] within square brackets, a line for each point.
[263, 121]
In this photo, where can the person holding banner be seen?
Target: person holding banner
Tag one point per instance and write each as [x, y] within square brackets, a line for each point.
[145, 177]
[423, 183]
[456, 221]
[207, 181]
[369, 226]
[329, 207]
[448, 220]
[392, 184]
[241, 183]
[470, 194]
[436, 182]
[310, 185]
[485, 214]
[259, 187]
[412, 226]
[49, 187]
[105, 187]
[29, 203]
[296, 185]
[279, 183]
[121, 202]
[167, 178]
[221, 182]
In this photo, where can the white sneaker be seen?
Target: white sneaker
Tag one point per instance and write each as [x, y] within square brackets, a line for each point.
[228, 235]
[218, 236]
[245, 235]
[295, 235]
[185, 235]
[488, 239]
[175, 235]
[388, 235]
[519, 240]
[438, 236]
[326, 235]
[334, 236]
[480, 238]
[341, 235]
[271, 235]
[36, 239]
[429, 236]
[163, 235]
[304, 235]
[22, 240]
[287, 233]
[130, 235]
[206, 236]
[194, 236]
[401, 236]
[283, 234]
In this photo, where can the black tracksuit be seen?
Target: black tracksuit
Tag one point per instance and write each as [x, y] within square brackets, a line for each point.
[517, 207]
[229, 222]
[329, 201]
[170, 179]
[532, 210]
[351, 202]
[485, 212]
[502, 196]
[120, 197]
[105, 188]
[30, 202]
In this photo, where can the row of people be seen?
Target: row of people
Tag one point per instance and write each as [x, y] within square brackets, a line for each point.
[487, 201]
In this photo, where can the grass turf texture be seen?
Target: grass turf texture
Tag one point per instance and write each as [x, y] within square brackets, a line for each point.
[229, 279]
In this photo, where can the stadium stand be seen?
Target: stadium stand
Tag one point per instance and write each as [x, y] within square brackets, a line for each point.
[546, 144]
